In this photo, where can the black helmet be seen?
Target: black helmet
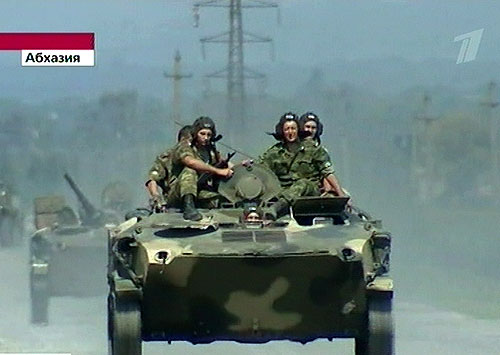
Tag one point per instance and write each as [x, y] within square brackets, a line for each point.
[184, 131]
[310, 116]
[205, 122]
[278, 129]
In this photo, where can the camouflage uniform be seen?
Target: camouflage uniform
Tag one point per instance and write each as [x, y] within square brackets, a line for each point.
[186, 179]
[161, 171]
[300, 172]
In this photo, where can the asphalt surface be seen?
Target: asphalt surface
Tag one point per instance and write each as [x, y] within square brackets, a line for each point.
[78, 326]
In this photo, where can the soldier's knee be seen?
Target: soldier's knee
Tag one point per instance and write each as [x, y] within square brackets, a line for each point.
[188, 172]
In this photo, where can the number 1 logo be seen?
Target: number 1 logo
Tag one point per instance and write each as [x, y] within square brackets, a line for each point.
[470, 45]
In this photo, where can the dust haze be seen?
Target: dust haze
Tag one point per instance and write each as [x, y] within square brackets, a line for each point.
[413, 137]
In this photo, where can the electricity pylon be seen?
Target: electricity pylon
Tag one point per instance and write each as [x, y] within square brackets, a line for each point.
[235, 71]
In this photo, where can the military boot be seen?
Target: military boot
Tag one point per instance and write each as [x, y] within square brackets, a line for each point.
[277, 210]
[190, 212]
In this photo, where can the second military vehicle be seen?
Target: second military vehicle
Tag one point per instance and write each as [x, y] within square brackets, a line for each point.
[320, 272]
[67, 252]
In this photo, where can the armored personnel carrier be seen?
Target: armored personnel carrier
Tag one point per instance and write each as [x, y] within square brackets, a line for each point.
[319, 272]
[67, 252]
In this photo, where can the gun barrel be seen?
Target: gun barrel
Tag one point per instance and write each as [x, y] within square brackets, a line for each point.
[221, 164]
[89, 210]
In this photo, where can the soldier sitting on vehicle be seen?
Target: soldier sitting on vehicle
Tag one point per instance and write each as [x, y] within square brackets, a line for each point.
[310, 132]
[310, 127]
[191, 159]
[160, 173]
[300, 166]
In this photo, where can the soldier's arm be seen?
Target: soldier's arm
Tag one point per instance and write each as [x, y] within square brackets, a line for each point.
[334, 185]
[152, 187]
[155, 199]
[201, 167]
[157, 173]
[185, 154]
[323, 163]
[327, 172]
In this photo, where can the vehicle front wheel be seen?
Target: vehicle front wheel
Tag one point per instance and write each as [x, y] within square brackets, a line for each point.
[377, 337]
[124, 326]
[6, 232]
[39, 299]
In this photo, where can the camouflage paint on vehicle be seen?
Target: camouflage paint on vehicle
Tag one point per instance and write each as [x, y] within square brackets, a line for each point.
[67, 252]
[308, 275]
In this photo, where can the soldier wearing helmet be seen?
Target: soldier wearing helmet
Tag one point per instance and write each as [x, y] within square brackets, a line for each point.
[191, 159]
[311, 130]
[160, 173]
[310, 127]
[300, 166]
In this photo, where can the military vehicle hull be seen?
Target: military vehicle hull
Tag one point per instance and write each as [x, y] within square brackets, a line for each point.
[253, 299]
[220, 280]
[65, 262]
[67, 256]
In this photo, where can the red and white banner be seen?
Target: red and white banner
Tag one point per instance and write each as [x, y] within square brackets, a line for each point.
[51, 49]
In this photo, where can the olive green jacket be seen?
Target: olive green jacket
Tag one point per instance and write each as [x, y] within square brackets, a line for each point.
[311, 162]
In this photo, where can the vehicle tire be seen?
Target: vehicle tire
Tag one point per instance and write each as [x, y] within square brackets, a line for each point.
[6, 237]
[39, 299]
[377, 335]
[18, 232]
[124, 326]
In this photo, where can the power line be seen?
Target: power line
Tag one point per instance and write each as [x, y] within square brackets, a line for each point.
[235, 71]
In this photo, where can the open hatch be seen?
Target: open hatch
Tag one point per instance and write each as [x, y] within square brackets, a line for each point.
[307, 209]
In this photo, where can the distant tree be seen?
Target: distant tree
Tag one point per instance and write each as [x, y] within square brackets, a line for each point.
[118, 112]
[461, 149]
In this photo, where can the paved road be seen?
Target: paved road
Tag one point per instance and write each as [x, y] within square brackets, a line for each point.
[78, 325]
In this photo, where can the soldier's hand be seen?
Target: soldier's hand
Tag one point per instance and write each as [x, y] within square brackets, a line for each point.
[349, 204]
[156, 203]
[227, 172]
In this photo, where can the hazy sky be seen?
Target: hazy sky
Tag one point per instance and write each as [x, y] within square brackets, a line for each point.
[320, 32]
[309, 31]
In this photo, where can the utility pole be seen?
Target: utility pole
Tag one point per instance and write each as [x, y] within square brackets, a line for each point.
[422, 164]
[490, 103]
[235, 71]
[176, 77]
[344, 133]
